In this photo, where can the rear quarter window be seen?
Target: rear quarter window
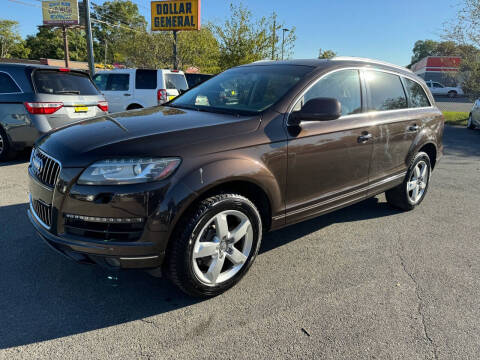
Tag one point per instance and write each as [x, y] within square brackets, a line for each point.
[112, 82]
[385, 91]
[7, 85]
[416, 94]
[65, 83]
[175, 81]
[146, 79]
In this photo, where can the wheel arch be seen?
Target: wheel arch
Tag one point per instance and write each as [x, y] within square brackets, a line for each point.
[246, 177]
[134, 105]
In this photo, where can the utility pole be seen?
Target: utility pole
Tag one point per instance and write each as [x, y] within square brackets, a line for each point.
[106, 48]
[274, 35]
[65, 46]
[88, 32]
[283, 39]
[175, 55]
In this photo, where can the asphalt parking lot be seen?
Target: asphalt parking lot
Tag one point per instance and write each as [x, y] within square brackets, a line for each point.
[363, 282]
[456, 104]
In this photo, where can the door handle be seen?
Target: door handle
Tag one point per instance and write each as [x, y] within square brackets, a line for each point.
[126, 95]
[364, 137]
[414, 128]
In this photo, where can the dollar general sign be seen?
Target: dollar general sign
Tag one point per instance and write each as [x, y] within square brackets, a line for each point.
[175, 15]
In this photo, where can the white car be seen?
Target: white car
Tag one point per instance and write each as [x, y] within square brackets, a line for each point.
[474, 116]
[127, 89]
[438, 89]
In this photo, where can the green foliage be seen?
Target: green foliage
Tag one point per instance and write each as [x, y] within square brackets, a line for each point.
[326, 54]
[456, 117]
[119, 24]
[121, 35]
[464, 31]
[48, 43]
[10, 39]
[243, 39]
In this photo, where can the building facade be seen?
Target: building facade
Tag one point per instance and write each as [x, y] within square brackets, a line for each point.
[442, 69]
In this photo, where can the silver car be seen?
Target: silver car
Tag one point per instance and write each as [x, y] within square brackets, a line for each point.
[35, 99]
[474, 117]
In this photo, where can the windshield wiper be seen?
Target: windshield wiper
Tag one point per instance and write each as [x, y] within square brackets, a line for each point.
[76, 92]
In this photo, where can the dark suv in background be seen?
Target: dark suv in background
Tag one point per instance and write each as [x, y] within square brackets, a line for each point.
[190, 187]
[35, 99]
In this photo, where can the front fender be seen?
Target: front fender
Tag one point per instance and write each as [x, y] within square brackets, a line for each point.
[208, 176]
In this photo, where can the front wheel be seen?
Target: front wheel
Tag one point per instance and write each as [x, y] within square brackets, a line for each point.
[412, 191]
[470, 124]
[215, 246]
[6, 152]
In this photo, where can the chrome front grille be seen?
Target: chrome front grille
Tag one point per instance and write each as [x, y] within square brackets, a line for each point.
[45, 168]
[43, 212]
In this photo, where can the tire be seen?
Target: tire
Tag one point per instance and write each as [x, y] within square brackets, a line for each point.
[403, 196]
[6, 152]
[470, 124]
[210, 269]
[452, 94]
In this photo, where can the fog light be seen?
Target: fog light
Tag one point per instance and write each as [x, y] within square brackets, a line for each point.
[108, 220]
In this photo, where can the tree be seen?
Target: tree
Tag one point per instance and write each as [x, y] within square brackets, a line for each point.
[326, 54]
[422, 49]
[10, 40]
[48, 43]
[116, 24]
[243, 39]
[464, 31]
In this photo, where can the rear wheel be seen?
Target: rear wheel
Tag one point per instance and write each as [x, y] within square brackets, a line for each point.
[6, 152]
[412, 191]
[216, 245]
[452, 94]
[470, 124]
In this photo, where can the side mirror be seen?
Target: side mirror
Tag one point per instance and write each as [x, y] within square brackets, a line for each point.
[317, 109]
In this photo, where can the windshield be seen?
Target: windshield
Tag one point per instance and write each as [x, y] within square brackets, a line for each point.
[243, 90]
[63, 82]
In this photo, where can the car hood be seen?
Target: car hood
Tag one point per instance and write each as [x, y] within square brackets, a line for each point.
[157, 131]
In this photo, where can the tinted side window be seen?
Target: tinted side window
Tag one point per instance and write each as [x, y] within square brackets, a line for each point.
[416, 94]
[342, 85]
[146, 79]
[101, 81]
[118, 82]
[7, 85]
[175, 81]
[385, 91]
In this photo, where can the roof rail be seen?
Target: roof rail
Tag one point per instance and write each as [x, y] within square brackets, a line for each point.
[379, 62]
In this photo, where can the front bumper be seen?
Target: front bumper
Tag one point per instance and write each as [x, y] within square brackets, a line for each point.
[98, 245]
[88, 252]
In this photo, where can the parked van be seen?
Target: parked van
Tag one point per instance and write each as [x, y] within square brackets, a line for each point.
[35, 99]
[127, 89]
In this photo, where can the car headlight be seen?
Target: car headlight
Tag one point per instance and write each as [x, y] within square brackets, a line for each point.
[128, 171]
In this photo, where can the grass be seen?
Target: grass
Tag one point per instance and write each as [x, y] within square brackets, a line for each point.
[456, 117]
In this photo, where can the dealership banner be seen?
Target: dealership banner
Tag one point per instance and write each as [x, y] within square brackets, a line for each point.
[59, 13]
[175, 15]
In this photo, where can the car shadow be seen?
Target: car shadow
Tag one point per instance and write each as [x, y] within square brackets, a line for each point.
[45, 296]
[461, 142]
[20, 158]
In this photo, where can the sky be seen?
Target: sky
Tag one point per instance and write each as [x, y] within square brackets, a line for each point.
[379, 29]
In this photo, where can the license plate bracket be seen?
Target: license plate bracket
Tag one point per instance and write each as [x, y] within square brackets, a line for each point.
[80, 109]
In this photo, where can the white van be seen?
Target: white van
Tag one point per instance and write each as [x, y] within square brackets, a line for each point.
[127, 89]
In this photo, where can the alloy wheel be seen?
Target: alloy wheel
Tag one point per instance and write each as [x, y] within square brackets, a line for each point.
[222, 247]
[418, 182]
